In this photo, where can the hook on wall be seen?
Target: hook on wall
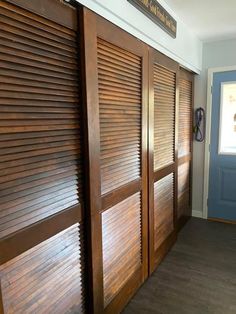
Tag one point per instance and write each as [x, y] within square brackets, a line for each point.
[199, 128]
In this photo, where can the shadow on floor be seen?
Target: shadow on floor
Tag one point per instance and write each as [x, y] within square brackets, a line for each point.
[197, 277]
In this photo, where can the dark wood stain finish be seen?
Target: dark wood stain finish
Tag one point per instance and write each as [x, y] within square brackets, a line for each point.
[186, 81]
[93, 174]
[47, 278]
[163, 209]
[1, 301]
[163, 135]
[121, 244]
[92, 162]
[18, 243]
[121, 85]
[41, 164]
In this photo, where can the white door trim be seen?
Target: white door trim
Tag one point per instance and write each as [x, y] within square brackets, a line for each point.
[211, 71]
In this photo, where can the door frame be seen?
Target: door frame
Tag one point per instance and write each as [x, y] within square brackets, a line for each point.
[211, 72]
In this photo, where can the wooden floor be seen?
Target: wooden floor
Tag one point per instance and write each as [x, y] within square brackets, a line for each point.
[197, 277]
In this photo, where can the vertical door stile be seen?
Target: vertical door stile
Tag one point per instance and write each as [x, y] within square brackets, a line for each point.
[1, 301]
[151, 161]
[144, 156]
[93, 186]
[176, 149]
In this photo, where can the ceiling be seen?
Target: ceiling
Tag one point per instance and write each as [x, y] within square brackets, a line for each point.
[208, 19]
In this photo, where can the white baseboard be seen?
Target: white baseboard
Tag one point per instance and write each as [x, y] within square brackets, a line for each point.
[197, 213]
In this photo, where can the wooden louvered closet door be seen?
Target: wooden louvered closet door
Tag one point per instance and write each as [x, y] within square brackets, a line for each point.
[163, 73]
[185, 146]
[41, 199]
[116, 76]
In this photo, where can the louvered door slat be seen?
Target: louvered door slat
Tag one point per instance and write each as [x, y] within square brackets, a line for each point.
[117, 123]
[183, 189]
[41, 178]
[120, 132]
[185, 146]
[164, 116]
[121, 244]
[162, 156]
[185, 118]
[27, 280]
[112, 122]
[26, 166]
[163, 209]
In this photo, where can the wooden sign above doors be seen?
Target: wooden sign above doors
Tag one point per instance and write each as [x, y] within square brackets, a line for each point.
[157, 14]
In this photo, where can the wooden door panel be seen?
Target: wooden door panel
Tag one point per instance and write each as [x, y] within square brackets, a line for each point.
[164, 116]
[121, 229]
[163, 209]
[184, 191]
[185, 146]
[39, 162]
[185, 117]
[120, 114]
[46, 12]
[163, 134]
[120, 117]
[27, 280]
[41, 179]
[120, 82]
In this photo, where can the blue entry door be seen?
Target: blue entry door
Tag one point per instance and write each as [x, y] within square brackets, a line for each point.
[222, 180]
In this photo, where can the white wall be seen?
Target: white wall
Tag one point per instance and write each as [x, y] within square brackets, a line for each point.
[215, 54]
[185, 49]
